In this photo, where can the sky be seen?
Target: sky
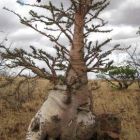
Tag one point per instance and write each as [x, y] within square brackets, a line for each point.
[123, 17]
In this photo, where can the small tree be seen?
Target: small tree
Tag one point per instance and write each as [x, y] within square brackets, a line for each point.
[76, 22]
[134, 61]
[120, 77]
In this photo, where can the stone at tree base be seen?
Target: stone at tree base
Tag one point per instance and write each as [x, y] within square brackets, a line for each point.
[85, 125]
[55, 120]
[108, 127]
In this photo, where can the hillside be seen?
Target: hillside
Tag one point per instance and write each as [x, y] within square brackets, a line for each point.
[15, 115]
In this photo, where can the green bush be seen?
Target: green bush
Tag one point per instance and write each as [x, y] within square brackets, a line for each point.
[120, 77]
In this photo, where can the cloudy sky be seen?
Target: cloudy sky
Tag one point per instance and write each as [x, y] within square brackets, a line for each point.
[123, 17]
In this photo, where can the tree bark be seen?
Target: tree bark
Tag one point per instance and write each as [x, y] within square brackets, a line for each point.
[71, 109]
[77, 80]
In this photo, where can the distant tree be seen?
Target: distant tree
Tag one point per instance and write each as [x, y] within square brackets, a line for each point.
[134, 61]
[120, 77]
[76, 21]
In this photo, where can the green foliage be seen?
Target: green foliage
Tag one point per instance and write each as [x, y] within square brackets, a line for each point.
[120, 77]
[123, 72]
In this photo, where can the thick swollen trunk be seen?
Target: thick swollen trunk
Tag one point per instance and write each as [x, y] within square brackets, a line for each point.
[77, 82]
[67, 114]
[76, 75]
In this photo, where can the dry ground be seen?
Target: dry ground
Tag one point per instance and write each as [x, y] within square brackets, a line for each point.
[15, 115]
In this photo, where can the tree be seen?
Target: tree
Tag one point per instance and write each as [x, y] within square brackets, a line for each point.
[76, 22]
[134, 61]
[120, 77]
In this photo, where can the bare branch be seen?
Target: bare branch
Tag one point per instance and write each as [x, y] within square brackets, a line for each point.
[95, 58]
[23, 59]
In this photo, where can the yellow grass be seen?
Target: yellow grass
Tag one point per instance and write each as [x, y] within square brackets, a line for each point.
[126, 104]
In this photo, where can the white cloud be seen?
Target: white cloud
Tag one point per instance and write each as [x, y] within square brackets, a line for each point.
[123, 32]
[127, 13]
[24, 35]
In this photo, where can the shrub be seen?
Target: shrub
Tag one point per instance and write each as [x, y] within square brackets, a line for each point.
[120, 77]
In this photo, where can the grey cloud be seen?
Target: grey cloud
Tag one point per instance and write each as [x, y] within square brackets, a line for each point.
[124, 12]
[8, 23]
[126, 16]
[120, 14]
[134, 42]
[120, 57]
[114, 4]
[122, 34]
[25, 35]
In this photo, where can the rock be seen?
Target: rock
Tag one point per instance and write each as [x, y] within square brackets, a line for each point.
[60, 87]
[56, 119]
[108, 127]
[85, 125]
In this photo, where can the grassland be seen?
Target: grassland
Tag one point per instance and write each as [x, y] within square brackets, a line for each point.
[15, 115]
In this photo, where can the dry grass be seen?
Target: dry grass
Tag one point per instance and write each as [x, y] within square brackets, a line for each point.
[14, 119]
[126, 104]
